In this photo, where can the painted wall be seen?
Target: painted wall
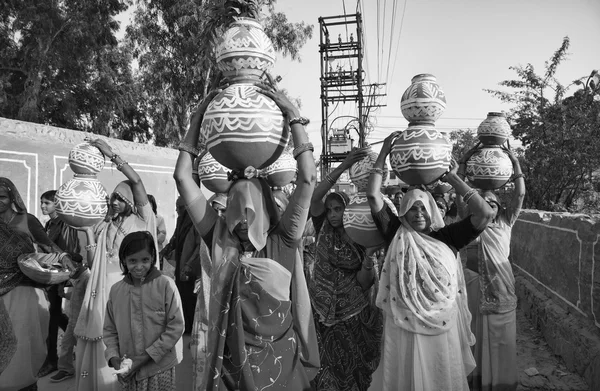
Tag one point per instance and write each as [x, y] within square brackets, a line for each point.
[558, 251]
[35, 158]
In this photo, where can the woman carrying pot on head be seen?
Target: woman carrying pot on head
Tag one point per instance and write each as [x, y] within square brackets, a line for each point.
[262, 333]
[495, 310]
[349, 324]
[128, 211]
[24, 335]
[427, 343]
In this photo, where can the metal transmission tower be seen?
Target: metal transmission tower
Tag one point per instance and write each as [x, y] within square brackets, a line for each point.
[342, 81]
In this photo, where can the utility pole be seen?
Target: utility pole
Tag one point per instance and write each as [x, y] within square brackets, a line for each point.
[342, 81]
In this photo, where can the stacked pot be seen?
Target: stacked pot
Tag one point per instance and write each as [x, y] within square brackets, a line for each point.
[242, 128]
[421, 154]
[490, 166]
[82, 201]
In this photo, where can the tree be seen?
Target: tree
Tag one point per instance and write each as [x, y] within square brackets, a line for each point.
[560, 135]
[173, 44]
[60, 63]
[462, 140]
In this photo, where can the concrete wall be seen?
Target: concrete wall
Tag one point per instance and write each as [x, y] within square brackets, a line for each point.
[558, 284]
[35, 158]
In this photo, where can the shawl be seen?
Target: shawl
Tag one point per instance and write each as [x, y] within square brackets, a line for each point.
[248, 196]
[336, 295]
[496, 278]
[8, 340]
[421, 276]
[12, 243]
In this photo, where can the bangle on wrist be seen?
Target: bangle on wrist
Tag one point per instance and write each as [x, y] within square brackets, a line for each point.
[90, 246]
[377, 170]
[517, 176]
[300, 149]
[468, 195]
[120, 165]
[329, 179]
[299, 120]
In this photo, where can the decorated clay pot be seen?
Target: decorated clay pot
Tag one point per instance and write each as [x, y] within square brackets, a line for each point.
[494, 130]
[213, 174]
[283, 171]
[81, 202]
[423, 102]
[86, 159]
[439, 187]
[243, 128]
[244, 51]
[359, 223]
[489, 168]
[420, 155]
[361, 170]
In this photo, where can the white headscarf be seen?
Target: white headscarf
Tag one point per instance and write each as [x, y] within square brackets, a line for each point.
[420, 276]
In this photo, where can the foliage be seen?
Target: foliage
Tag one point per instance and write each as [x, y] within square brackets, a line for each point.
[173, 43]
[60, 64]
[560, 134]
[462, 140]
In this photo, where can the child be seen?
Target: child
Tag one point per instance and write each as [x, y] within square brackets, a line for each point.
[144, 320]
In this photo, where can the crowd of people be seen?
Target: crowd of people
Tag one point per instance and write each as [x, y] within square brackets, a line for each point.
[270, 287]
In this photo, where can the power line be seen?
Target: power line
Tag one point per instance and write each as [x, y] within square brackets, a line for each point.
[398, 42]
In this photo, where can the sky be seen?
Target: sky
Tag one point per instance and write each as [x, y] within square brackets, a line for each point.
[468, 45]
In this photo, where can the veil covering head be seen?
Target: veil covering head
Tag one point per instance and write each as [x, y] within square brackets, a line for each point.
[16, 201]
[490, 196]
[124, 191]
[428, 201]
[340, 196]
[253, 200]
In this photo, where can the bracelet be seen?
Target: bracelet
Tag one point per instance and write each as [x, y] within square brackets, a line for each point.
[444, 175]
[517, 176]
[120, 165]
[185, 147]
[468, 195]
[299, 120]
[329, 179]
[90, 246]
[300, 149]
[376, 170]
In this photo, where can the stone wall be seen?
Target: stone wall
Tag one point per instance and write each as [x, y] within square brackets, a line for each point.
[558, 284]
[35, 158]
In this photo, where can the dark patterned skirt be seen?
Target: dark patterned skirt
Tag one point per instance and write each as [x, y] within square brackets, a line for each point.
[164, 381]
[349, 351]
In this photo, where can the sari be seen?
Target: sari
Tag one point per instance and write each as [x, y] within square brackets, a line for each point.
[495, 321]
[422, 291]
[91, 369]
[349, 324]
[261, 334]
[25, 323]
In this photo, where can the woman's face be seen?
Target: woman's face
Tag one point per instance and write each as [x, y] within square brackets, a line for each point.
[117, 204]
[139, 264]
[335, 212]
[4, 200]
[417, 217]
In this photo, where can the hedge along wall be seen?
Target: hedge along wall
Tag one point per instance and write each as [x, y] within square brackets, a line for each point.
[35, 158]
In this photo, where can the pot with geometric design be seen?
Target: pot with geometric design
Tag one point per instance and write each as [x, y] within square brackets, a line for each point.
[359, 223]
[361, 170]
[420, 155]
[489, 168]
[494, 130]
[283, 171]
[213, 174]
[423, 102]
[82, 201]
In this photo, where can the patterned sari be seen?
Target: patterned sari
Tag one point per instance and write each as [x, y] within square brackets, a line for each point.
[349, 325]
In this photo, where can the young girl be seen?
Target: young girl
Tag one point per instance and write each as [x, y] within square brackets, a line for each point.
[143, 319]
